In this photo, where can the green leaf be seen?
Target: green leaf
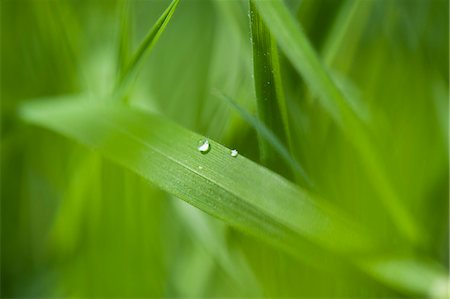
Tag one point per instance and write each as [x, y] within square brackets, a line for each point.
[236, 190]
[345, 34]
[269, 138]
[297, 48]
[167, 155]
[211, 235]
[124, 40]
[269, 93]
[130, 72]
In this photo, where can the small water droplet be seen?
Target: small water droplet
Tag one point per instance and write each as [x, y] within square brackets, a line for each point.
[234, 153]
[200, 167]
[203, 146]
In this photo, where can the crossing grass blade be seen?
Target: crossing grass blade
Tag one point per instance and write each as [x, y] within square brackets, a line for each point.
[345, 34]
[211, 235]
[133, 66]
[300, 52]
[270, 138]
[234, 189]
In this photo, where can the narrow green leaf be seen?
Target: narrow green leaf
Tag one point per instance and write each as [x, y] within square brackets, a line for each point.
[345, 33]
[269, 93]
[130, 72]
[343, 38]
[211, 235]
[269, 137]
[414, 276]
[303, 57]
[124, 40]
[167, 155]
[234, 189]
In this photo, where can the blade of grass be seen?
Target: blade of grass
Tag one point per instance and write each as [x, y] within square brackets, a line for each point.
[128, 75]
[236, 190]
[269, 137]
[345, 33]
[211, 235]
[269, 92]
[167, 155]
[421, 276]
[303, 57]
[344, 37]
[124, 40]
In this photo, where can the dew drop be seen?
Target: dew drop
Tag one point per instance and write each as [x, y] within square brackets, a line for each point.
[203, 146]
[234, 153]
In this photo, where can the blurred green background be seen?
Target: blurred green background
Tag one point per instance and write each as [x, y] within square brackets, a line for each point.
[74, 224]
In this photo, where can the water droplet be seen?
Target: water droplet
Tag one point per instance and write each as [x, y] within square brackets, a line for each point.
[203, 146]
[200, 167]
[234, 153]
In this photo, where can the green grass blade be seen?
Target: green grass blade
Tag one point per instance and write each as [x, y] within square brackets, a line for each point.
[301, 54]
[303, 57]
[413, 276]
[130, 72]
[345, 34]
[167, 155]
[124, 40]
[344, 37]
[236, 190]
[269, 94]
[269, 137]
[211, 235]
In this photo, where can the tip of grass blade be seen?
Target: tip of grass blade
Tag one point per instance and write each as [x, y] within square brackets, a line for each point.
[132, 68]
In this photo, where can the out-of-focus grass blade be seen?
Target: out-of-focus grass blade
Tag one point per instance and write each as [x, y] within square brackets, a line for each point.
[269, 93]
[269, 137]
[127, 76]
[344, 37]
[413, 276]
[124, 40]
[211, 235]
[234, 189]
[345, 33]
[303, 57]
[440, 101]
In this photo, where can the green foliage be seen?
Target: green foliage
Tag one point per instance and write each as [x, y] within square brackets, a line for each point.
[233, 189]
[339, 111]
[303, 57]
